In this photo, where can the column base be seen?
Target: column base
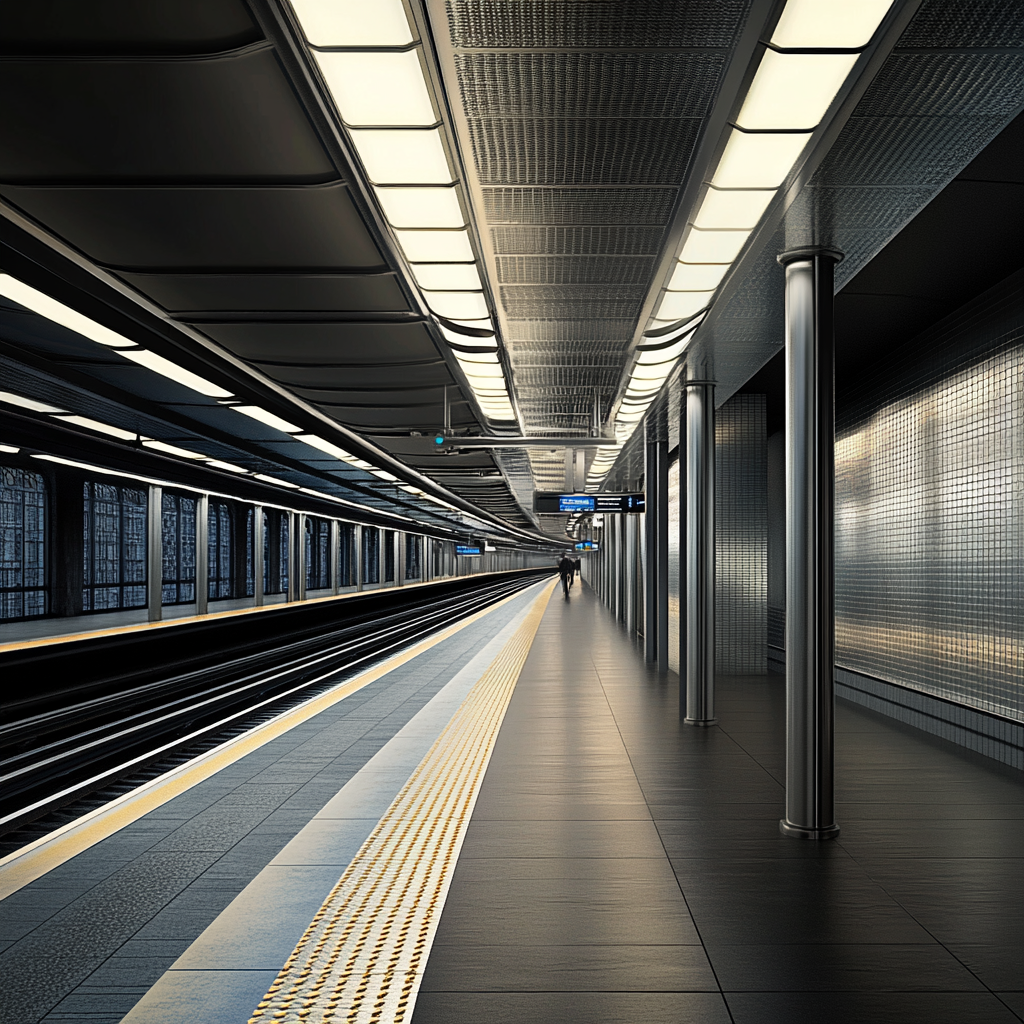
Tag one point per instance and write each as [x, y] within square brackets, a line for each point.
[700, 722]
[799, 832]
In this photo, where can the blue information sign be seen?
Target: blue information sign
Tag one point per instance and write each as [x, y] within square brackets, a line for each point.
[586, 545]
[467, 549]
[575, 503]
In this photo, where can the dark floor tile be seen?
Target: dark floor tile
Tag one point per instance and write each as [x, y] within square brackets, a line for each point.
[586, 968]
[570, 1008]
[562, 838]
[1001, 968]
[1014, 1000]
[840, 968]
[868, 1008]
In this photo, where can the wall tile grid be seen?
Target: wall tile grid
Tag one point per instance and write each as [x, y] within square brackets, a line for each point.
[930, 516]
[741, 536]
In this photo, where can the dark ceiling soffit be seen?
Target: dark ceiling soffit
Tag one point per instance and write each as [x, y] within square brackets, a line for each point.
[50, 439]
[279, 25]
[165, 414]
[35, 256]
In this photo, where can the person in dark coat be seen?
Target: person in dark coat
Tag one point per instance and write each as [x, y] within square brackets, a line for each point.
[565, 570]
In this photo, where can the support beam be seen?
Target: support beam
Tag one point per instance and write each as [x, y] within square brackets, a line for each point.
[257, 556]
[810, 623]
[656, 568]
[700, 553]
[202, 554]
[155, 554]
[360, 571]
[335, 555]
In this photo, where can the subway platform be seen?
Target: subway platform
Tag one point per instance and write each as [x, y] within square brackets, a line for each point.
[512, 824]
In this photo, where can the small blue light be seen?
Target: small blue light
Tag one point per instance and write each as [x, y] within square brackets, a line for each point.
[439, 439]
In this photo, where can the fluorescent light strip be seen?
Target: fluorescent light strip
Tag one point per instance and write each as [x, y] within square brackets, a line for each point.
[27, 403]
[100, 428]
[353, 22]
[172, 371]
[382, 88]
[268, 418]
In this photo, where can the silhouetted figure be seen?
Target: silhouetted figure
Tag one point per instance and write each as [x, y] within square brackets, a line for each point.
[565, 569]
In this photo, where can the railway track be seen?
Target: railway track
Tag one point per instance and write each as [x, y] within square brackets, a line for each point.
[70, 755]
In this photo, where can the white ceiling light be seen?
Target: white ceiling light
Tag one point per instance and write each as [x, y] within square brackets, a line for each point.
[171, 449]
[436, 246]
[27, 403]
[447, 276]
[274, 480]
[698, 277]
[828, 24]
[421, 207]
[713, 246]
[384, 475]
[403, 156]
[457, 304]
[229, 467]
[56, 311]
[101, 428]
[257, 413]
[732, 209]
[378, 88]
[325, 446]
[461, 339]
[758, 161]
[353, 22]
[9, 449]
[487, 355]
[679, 305]
[794, 90]
[172, 371]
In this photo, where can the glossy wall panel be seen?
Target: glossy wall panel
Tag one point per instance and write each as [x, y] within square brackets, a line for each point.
[930, 514]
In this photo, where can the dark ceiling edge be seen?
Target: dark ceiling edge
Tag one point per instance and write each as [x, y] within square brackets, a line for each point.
[279, 25]
[113, 303]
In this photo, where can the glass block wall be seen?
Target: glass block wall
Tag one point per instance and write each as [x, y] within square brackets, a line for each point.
[930, 515]
[22, 544]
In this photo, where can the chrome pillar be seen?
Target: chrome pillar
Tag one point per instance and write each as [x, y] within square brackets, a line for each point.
[632, 567]
[810, 625]
[656, 562]
[399, 559]
[700, 553]
[155, 554]
[202, 554]
[257, 556]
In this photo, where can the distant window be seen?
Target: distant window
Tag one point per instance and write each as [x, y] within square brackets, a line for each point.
[412, 557]
[114, 535]
[347, 555]
[371, 555]
[250, 569]
[22, 544]
[389, 556]
[179, 549]
[219, 550]
[318, 554]
[275, 552]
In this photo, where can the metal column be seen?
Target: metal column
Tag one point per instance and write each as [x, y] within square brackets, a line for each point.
[293, 566]
[202, 554]
[155, 554]
[335, 542]
[700, 552]
[360, 571]
[257, 556]
[656, 568]
[810, 622]
[399, 559]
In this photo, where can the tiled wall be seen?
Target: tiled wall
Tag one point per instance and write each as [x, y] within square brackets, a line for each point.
[930, 514]
[741, 536]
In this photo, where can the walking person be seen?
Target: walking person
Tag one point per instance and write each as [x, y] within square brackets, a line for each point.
[565, 570]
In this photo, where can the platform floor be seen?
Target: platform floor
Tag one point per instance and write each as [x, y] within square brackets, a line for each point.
[618, 866]
[623, 867]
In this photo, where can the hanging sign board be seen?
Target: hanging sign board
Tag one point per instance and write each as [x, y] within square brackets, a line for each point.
[467, 549]
[552, 502]
[586, 545]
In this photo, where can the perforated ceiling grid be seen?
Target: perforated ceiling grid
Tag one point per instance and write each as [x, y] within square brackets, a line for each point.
[580, 121]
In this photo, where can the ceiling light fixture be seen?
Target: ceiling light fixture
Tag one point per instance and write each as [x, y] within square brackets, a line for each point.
[172, 371]
[268, 418]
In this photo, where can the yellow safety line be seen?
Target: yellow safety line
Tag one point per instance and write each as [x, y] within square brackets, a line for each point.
[362, 958]
[33, 861]
[136, 627]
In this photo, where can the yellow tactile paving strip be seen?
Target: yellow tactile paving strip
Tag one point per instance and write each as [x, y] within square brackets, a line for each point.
[33, 861]
[362, 958]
